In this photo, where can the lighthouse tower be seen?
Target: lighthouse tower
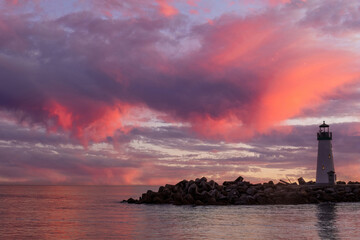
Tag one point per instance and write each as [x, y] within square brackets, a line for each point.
[325, 172]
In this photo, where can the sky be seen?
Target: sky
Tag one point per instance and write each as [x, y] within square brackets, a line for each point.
[156, 91]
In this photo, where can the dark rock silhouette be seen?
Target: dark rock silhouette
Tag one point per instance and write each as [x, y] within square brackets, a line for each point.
[240, 192]
[301, 181]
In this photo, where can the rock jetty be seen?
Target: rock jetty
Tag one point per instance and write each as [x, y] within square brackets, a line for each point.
[240, 192]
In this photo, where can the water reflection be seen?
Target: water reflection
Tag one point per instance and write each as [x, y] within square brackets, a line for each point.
[94, 212]
[327, 218]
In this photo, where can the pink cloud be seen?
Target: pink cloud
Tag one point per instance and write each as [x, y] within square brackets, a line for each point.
[151, 85]
[193, 3]
[166, 8]
[232, 79]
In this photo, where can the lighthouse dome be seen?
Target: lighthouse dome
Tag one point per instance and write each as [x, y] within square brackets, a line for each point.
[324, 125]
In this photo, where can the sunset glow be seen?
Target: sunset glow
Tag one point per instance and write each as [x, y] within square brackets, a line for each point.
[153, 92]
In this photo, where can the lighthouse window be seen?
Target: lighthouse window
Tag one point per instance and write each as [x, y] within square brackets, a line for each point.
[323, 167]
[329, 155]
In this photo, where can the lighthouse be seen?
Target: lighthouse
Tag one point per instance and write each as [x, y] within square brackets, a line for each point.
[325, 171]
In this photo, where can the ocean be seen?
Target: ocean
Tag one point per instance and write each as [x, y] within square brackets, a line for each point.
[95, 212]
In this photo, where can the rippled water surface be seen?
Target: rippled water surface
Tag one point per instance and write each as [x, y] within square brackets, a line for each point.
[94, 212]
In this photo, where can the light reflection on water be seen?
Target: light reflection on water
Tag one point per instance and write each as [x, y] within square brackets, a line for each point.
[327, 221]
[94, 212]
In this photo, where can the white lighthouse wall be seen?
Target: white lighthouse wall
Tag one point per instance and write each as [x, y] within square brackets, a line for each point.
[325, 161]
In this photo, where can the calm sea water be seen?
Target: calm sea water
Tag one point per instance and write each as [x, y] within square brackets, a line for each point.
[94, 212]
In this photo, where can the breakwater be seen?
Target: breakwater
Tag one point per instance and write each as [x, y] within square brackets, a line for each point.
[240, 192]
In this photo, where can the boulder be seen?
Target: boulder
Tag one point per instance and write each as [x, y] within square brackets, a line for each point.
[161, 189]
[227, 183]
[251, 191]
[157, 200]
[242, 200]
[182, 184]
[329, 190]
[203, 196]
[211, 201]
[269, 190]
[301, 181]
[218, 187]
[203, 179]
[261, 199]
[188, 184]
[242, 189]
[212, 184]
[251, 200]
[131, 200]
[193, 189]
[189, 198]
[350, 196]
[214, 193]
[302, 192]
[239, 179]
[222, 198]
[197, 181]
[198, 202]
[169, 186]
[319, 194]
[203, 186]
[290, 198]
[177, 197]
